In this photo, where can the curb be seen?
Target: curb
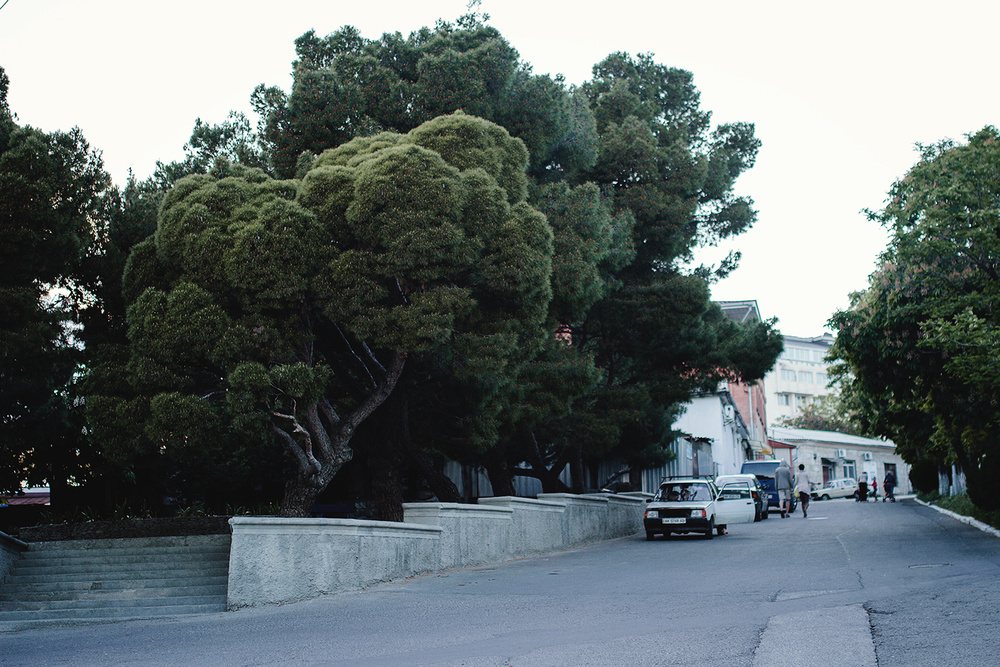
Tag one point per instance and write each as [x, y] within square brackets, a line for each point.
[986, 528]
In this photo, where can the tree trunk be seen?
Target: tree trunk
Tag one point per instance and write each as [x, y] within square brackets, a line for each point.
[319, 440]
[439, 483]
[387, 481]
[300, 496]
[576, 470]
[498, 470]
[549, 479]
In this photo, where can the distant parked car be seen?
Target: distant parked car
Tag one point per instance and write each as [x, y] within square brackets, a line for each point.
[763, 470]
[760, 499]
[836, 488]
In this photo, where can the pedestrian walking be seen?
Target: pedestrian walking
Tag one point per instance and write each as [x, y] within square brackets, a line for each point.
[863, 488]
[874, 490]
[783, 483]
[803, 487]
[889, 486]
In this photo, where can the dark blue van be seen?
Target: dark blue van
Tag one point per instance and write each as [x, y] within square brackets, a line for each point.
[764, 472]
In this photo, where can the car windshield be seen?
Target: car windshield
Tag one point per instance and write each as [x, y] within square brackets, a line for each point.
[760, 467]
[684, 492]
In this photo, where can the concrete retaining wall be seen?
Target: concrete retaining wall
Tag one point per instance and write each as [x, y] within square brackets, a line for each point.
[275, 560]
[470, 534]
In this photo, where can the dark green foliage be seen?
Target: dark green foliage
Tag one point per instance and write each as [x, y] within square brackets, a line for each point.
[51, 188]
[347, 86]
[266, 311]
[919, 346]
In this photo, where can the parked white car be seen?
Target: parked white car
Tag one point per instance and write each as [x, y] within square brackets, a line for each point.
[696, 505]
[760, 497]
[836, 488]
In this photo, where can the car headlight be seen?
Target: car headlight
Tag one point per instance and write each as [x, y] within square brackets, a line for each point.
[652, 514]
[699, 514]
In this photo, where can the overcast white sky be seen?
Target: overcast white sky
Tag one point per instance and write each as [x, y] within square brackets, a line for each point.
[839, 92]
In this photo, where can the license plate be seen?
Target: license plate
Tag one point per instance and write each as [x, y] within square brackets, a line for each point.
[675, 520]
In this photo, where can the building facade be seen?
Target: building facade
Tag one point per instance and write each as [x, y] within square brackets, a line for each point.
[800, 377]
[750, 400]
[827, 455]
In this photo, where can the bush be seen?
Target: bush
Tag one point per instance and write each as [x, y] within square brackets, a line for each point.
[962, 504]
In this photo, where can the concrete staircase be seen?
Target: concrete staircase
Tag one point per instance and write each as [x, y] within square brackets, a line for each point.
[76, 581]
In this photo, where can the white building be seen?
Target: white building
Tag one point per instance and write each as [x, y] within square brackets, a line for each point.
[800, 377]
[828, 455]
[716, 440]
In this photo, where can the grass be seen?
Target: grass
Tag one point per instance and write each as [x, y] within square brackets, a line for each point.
[961, 504]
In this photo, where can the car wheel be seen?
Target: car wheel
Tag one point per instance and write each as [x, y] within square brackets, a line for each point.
[650, 536]
[710, 533]
[824, 497]
[764, 514]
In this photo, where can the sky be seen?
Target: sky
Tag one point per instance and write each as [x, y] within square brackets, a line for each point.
[839, 93]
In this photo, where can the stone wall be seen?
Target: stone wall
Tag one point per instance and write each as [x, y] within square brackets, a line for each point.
[275, 560]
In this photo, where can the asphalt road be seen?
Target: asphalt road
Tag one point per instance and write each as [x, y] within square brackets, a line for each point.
[854, 584]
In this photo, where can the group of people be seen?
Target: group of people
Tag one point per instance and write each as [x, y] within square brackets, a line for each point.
[888, 486]
[786, 483]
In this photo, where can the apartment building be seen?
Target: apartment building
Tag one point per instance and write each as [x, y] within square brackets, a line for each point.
[799, 377]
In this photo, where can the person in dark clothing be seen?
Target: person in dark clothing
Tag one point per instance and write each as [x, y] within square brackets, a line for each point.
[863, 488]
[889, 486]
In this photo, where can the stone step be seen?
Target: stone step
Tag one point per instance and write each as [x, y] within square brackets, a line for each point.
[16, 588]
[112, 573]
[108, 613]
[168, 588]
[45, 555]
[91, 605]
[130, 543]
[125, 560]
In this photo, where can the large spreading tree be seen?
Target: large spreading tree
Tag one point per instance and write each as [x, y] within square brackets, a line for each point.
[368, 275]
[279, 311]
[918, 347]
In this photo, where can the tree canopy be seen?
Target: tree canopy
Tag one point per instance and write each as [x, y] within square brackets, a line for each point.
[51, 186]
[277, 309]
[423, 251]
[918, 347]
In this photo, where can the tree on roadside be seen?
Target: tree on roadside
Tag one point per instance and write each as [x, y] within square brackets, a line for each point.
[918, 345]
[51, 186]
[667, 178]
[267, 311]
[826, 413]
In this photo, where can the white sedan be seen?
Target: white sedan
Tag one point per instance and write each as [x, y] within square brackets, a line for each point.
[836, 488]
[697, 505]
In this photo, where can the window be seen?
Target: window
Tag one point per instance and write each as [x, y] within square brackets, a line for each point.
[801, 401]
[806, 376]
[821, 378]
[784, 399]
[850, 470]
[788, 376]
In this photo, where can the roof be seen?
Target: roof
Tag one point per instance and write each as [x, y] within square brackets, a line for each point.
[825, 340]
[791, 435]
[29, 498]
[740, 311]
